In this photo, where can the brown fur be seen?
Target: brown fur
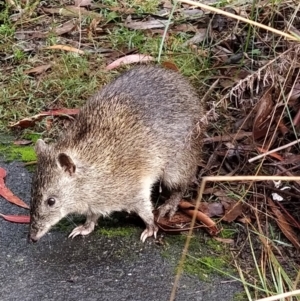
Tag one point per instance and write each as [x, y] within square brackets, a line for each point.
[137, 130]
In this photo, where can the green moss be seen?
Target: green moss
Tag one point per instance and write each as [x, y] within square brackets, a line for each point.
[240, 296]
[116, 231]
[20, 153]
[205, 257]
[32, 136]
[228, 233]
[215, 245]
[204, 266]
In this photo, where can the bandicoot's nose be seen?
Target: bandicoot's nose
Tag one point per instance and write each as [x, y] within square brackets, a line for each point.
[32, 238]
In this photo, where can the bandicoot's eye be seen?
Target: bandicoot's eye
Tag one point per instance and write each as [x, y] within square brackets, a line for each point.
[51, 201]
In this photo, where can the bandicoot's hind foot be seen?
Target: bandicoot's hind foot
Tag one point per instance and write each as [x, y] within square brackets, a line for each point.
[170, 206]
[149, 231]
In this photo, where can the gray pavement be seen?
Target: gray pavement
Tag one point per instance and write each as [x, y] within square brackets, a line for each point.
[92, 268]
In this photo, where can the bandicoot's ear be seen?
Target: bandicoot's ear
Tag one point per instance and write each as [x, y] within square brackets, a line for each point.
[40, 146]
[66, 163]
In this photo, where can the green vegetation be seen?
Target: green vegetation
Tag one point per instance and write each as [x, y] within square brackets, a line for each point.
[116, 231]
[205, 266]
[16, 152]
[205, 258]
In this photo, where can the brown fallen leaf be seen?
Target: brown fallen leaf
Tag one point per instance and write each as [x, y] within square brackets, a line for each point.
[66, 48]
[71, 11]
[20, 219]
[189, 209]
[7, 194]
[233, 210]
[264, 108]
[274, 155]
[244, 220]
[199, 37]
[129, 59]
[284, 225]
[64, 28]
[294, 94]
[211, 208]
[296, 120]
[38, 69]
[22, 142]
[178, 223]
[170, 65]
[30, 121]
[147, 24]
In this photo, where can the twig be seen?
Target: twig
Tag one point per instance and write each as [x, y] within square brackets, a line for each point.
[225, 138]
[281, 296]
[273, 151]
[230, 15]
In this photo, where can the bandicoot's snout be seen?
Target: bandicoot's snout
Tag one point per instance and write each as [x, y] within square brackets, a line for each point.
[32, 239]
[32, 236]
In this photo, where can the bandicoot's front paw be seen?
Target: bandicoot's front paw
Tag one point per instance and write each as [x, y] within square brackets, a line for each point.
[82, 230]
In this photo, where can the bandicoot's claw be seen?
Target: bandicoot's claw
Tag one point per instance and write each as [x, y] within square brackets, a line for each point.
[148, 232]
[82, 230]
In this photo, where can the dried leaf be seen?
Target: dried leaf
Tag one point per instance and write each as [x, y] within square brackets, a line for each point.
[189, 209]
[30, 121]
[264, 109]
[184, 28]
[274, 155]
[170, 65]
[7, 194]
[291, 159]
[296, 120]
[197, 38]
[65, 28]
[71, 11]
[213, 209]
[93, 25]
[284, 225]
[295, 93]
[22, 142]
[129, 59]
[282, 127]
[83, 2]
[66, 48]
[20, 219]
[148, 24]
[232, 210]
[178, 223]
[38, 70]
[244, 220]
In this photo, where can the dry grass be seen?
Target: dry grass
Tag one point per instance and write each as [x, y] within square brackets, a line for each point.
[244, 60]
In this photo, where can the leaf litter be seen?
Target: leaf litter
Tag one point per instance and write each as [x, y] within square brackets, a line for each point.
[251, 87]
[10, 197]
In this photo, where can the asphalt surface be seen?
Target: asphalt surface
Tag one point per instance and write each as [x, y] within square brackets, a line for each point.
[90, 268]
